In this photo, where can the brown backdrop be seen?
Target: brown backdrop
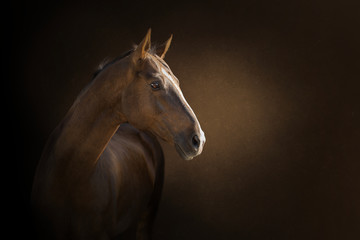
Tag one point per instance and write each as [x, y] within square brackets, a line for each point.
[275, 86]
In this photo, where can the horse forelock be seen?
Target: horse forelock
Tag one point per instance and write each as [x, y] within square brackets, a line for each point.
[162, 67]
[107, 61]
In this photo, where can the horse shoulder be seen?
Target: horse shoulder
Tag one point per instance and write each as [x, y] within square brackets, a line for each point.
[130, 146]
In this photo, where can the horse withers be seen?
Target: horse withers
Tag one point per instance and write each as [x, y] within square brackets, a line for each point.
[102, 168]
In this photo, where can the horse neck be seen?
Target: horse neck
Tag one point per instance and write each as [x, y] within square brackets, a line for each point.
[90, 123]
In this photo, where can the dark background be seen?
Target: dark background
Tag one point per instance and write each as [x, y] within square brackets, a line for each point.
[274, 84]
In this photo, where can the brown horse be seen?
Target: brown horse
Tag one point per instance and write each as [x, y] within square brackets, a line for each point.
[99, 175]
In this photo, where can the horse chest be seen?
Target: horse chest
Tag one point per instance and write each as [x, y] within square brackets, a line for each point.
[135, 189]
[131, 184]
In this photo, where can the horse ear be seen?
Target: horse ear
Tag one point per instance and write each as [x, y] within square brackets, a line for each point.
[163, 48]
[143, 47]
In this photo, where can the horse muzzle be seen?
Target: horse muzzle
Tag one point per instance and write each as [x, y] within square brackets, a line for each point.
[190, 147]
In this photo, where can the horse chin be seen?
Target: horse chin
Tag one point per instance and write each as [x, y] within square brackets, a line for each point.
[182, 154]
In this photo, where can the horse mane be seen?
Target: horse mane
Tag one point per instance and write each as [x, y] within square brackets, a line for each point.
[106, 62]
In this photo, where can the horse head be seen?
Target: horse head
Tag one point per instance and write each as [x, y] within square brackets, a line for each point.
[153, 101]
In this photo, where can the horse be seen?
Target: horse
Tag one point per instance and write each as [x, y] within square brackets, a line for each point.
[102, 168]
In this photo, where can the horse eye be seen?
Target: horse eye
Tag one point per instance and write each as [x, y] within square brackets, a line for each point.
[155, 85]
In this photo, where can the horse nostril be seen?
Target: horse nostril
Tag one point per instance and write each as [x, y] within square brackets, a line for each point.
[196, 141]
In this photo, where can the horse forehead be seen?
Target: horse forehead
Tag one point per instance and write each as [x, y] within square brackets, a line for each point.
[162, 68]
[169, 76]
[151, 66]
